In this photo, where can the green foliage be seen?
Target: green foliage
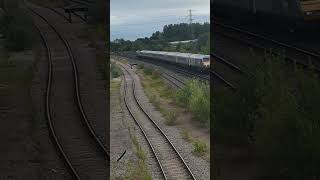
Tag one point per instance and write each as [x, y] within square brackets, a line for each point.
[159, 41]
[171, 118]
[147, 71]
[199, 148]
[115, 71]
[195, 96]
[140, 170]
[277, 117]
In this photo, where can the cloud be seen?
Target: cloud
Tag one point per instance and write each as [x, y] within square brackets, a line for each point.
[129, 17]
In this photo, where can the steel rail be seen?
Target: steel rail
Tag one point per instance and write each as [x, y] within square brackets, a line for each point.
[257, 46]
[77, 90]
[172, 82]
[48, 107]
[157, 127]
[226, 62]
[316, 55]
[83, 2]
[140, 127]
[214, 73]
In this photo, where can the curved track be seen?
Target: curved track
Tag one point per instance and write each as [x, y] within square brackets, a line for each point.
[292, 53]
[170, 161]
[69, 126]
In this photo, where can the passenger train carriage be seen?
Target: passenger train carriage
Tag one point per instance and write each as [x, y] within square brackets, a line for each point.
[199, 61]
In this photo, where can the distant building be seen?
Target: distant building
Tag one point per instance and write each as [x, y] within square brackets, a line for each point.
[183, 42]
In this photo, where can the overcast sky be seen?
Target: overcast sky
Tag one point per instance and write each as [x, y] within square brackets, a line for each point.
[132, 19]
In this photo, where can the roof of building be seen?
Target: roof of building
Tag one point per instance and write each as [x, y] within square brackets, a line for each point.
[182, 42]
[179, 54]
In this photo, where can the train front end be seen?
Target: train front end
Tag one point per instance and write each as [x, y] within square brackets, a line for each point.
[310, 10]
[206, 62]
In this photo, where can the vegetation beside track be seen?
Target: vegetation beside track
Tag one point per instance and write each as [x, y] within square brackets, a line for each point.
[195, 96]
[274, 116]
[140, 169]
[115, 71]
[172, 104]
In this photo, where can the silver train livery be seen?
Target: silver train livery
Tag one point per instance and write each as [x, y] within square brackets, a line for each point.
[186, 59]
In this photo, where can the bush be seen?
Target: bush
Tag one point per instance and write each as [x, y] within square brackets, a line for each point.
[115, 71]
[279, 119]
[195, 96]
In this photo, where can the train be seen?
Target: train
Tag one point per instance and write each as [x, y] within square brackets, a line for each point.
[298, 11]
[194, 61]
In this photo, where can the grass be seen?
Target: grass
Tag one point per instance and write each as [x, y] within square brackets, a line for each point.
[171, 118]
[199, 148]
[186, 135]
[140, 170]
[158, 92]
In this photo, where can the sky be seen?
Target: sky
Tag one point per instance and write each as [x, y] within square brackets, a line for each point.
[132, 19]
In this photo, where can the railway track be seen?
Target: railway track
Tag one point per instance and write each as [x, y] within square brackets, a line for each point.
[228, 70]
[292, 53]
[168, 158]
[82, 2]
[60, 12]
[71, 131]
[172, 79]
[216, 75]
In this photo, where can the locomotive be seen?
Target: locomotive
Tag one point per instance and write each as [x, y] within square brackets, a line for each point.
[195, 61]
[298, 11]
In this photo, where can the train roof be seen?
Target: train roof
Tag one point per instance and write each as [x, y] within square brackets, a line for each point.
[179, 54]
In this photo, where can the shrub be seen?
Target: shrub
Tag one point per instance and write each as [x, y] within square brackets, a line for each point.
[195, 96]
[115, 71]
[278, 118]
